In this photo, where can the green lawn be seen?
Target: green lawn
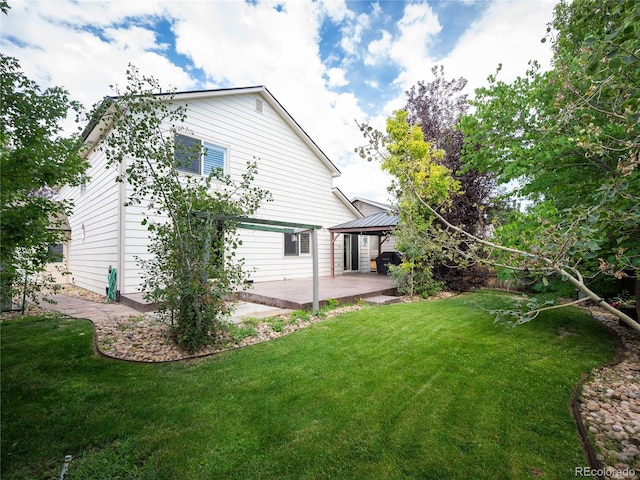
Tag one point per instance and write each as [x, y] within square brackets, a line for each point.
[429, 390]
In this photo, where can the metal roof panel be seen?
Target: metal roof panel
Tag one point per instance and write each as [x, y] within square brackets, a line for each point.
[381, 221]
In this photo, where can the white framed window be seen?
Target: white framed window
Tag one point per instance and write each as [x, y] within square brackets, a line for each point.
[296, 244]
[199, 157]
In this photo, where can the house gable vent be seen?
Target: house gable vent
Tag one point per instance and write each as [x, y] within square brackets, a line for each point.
[258, 105]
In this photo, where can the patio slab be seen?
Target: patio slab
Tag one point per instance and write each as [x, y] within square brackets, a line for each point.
[297, 294]
[383, 300]
[102, 312]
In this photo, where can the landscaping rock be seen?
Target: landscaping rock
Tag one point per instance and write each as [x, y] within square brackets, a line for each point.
[610, 406]
[593, 406]
[146, 338]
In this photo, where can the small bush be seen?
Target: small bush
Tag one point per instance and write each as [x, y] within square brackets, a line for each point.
[332, 304]
[277, 324]
[414, 279]
[237, 333]
[300, 315]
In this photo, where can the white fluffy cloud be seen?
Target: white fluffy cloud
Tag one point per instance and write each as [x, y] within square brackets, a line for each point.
[418, 27]
[276, 48]
[337, 10]
[337, 77]
[352, 34]
[57, 44]
[378, 50]
[508, 33]
[85, 46]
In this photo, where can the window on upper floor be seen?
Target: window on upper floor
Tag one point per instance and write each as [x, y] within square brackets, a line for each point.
[199, 157]
[296, 244]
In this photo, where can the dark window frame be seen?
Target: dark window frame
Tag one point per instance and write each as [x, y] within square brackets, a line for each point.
[56, 252]
[297, 244]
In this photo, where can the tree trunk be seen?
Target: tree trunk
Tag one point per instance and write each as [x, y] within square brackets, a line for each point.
[7, 280]
[638, 296]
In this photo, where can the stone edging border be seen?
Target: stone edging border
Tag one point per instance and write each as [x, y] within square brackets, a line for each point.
[589, 451]
[314, 319]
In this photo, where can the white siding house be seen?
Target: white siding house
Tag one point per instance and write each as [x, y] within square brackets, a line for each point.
[243, 124]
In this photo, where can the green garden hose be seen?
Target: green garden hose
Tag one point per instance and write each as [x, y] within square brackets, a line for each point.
[113, 276]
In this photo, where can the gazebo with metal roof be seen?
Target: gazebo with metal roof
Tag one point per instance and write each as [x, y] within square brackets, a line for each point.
[379, 224]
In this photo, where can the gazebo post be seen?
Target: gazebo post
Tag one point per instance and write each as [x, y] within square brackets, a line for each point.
[316, 280]
[332, 255]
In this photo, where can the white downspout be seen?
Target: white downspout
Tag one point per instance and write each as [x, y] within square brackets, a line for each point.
[120, 234]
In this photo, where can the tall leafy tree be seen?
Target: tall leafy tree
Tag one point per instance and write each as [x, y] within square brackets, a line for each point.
[437, 107]
[418, 173]
[35, 158]
[569, 140]
[193, 269]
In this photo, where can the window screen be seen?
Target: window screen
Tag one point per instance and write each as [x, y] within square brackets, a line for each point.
[193, 158]
[187, 154]
[56, 252]
[214, 157]
[297, 244]
[304, 240]
[290, 244]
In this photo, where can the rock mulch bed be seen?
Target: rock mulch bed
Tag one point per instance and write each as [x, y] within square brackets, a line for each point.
[610, 406]
[146, 338]
[74, 291]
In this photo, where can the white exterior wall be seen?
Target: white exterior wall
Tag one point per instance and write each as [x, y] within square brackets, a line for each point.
[134, 247]
[57, 269]
[299, 181]
[388, 245]
[367, 208]
[94, 227]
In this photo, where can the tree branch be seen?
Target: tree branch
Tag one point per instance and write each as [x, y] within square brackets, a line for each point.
[535, 258]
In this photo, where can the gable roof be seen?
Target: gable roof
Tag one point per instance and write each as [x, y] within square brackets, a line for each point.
[93, 131]
[343, 198]
[383, 206]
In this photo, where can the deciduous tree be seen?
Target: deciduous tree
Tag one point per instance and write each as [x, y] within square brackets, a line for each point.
[35, 158]
[568, 139]
[193, 268]
[437, 106]
[418, 173]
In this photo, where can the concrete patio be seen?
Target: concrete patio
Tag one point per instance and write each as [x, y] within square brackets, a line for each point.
[297, 294]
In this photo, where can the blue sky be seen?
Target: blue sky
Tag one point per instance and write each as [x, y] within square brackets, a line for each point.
[329, 62]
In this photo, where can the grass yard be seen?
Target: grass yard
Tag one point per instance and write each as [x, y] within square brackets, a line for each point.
[427, 390]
